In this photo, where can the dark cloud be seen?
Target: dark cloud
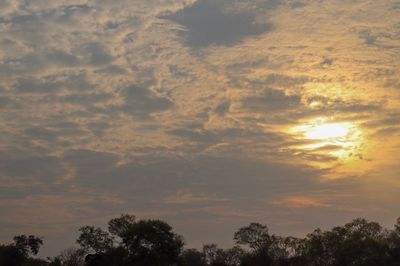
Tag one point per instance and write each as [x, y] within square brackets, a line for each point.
[33, 85]
[392, 83]
[26, 64]
[112, 70]
[85, 99]
[53, 131]
[388, 120]
[367, 37]
[141, 101]
[6, 102]
[68, 13]
[160, 176]
[296, 5]
[76, 81]
[210, 22]
[389, 132]
[61, 58]
[52, 84]
[283, 80]
[343, 106]
[99, 128]
[39, 168]
[246, 66]
[271, 100]
[178, 71]
[91, 167]
[387, 126]
[327, 62]
[97, 54]
[42, 133]
[223, 108]
[200, 136]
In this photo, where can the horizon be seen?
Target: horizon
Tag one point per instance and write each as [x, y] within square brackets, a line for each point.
[206, 114]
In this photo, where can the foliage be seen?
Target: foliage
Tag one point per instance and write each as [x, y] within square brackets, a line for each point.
[17, 253]
[11, 256]
[72, 257]
[192, 257]
[143, 242]
[119, 226]
[94, 239]
[28, 244]
[131, 242]
[152, 242]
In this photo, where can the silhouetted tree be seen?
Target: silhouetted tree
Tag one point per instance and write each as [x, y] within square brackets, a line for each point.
[213, 255]
[94, 239]
[255, 236]
[394, 243]
[11, 256]
[35, 262]
[131, 242]
[119, 226]
[265, 249]
[72, 257]
[234, 256]
[17, 253]
[356, 243]
[152, 242]
[192, 257]
[28, 244]
[143, 242]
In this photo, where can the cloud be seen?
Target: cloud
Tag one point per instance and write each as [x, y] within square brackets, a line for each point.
[180, 110]
[61, 58]
[223, 108]
[90, 166]
[272, 100]
[300, 202]
[284, 81]
[18, 165]
[53, 84]
[97, 55]
[141, 101]
[6, 102]
[367, 37]
[389, 131]
[200, 136]
[53, 131]
[41, 133]
[320, 104]
[209, 22]
[85, 99]
[190, 198]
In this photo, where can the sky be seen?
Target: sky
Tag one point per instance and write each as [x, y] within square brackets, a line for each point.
[207, 114]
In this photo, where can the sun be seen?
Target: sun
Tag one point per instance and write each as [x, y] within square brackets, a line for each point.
[321, 136]
[327, 131]
[321, 131]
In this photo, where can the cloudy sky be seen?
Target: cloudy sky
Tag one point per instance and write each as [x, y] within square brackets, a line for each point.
[208, 114]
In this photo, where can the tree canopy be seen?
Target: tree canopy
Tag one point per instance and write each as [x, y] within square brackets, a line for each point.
[131, 242]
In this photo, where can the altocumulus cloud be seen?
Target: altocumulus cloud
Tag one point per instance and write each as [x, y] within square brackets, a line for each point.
[178, 110]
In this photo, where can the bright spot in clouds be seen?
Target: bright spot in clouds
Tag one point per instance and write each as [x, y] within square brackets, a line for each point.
[338, 139]
[328, 131]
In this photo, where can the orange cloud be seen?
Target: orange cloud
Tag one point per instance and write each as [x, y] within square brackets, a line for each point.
[187, 198]
[298, 202]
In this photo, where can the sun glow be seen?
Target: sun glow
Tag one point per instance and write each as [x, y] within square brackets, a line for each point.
[339, 139]
[327, 131]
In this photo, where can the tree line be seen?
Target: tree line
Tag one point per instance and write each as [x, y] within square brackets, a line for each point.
[131, 242]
